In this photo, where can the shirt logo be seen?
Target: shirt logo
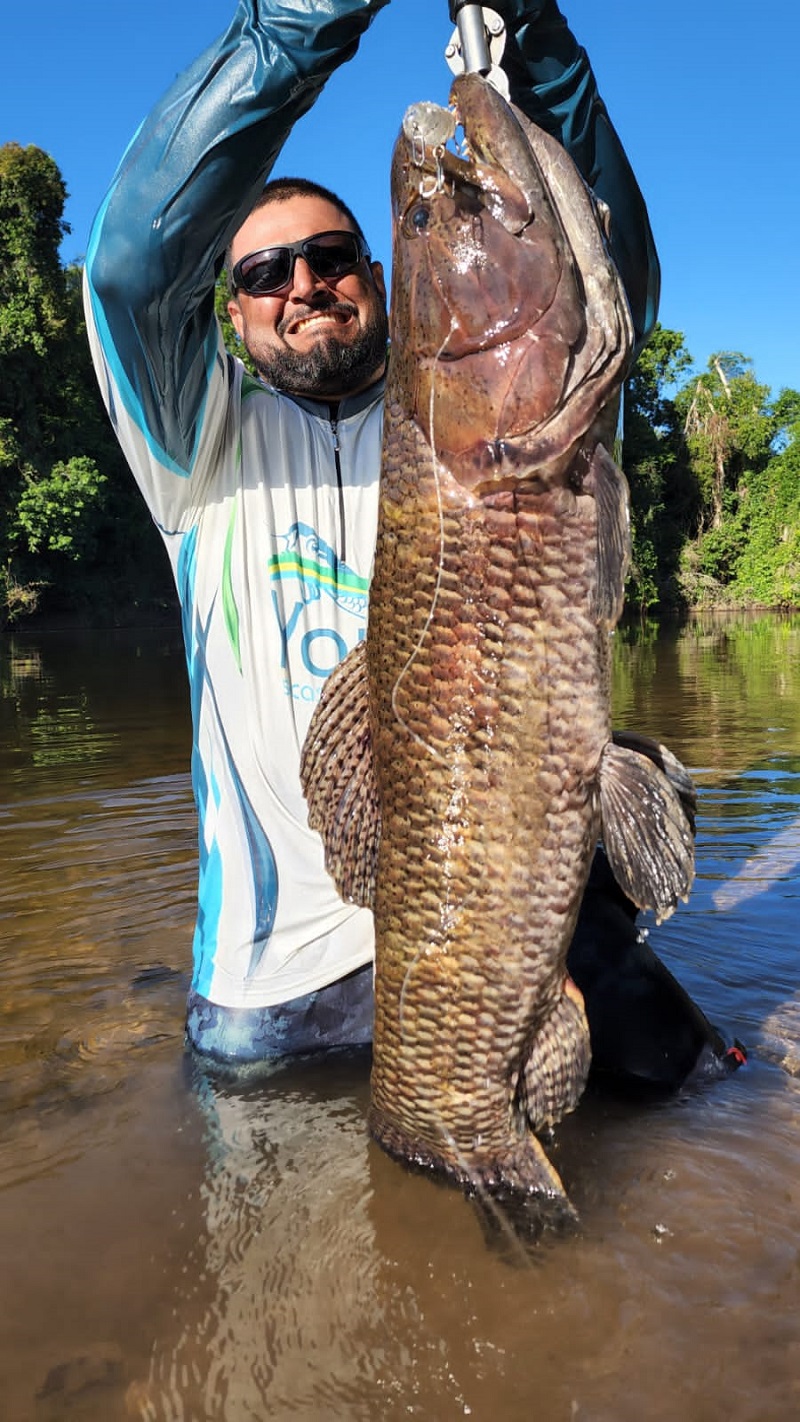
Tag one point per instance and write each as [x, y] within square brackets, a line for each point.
[308, 558]
[307, 568]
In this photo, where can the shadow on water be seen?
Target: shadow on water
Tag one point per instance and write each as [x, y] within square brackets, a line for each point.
[176, 1245]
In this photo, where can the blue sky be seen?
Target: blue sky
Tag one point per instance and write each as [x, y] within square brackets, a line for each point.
[704, 95]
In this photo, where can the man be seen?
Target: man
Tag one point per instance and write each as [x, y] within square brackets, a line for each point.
[266, 493]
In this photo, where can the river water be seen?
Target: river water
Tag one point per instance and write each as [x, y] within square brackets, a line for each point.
[175, 1246]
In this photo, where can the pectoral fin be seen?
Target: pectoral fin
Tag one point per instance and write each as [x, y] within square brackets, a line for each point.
[647, 832]
[338, 782]
[676, 773]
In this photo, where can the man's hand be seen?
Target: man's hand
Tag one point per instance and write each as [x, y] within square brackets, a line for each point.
[512, 11]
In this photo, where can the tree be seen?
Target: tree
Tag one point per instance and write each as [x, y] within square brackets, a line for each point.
[52, 510]
[786, 412]
[657, 370]
[73, 529]
[229, 336]
[663, 491]
[32, 197]
[33, 297]
[729, 427]
[767, 569]
[743, 450]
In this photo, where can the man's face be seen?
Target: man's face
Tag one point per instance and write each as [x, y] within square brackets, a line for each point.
[320, 338]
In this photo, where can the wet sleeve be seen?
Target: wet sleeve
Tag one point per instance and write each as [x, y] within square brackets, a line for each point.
[551, 80]
[185, 184]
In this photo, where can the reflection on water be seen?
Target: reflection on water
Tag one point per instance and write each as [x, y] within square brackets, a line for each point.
[180, 1246]
[97, 830]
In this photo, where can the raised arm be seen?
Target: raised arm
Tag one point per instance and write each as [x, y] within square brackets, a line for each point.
[185, 184]
[551, 80]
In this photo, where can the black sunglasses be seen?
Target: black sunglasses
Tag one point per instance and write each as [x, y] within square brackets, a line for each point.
[328, 254]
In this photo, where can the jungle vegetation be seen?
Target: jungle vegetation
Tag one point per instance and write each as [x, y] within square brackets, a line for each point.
[712, 458]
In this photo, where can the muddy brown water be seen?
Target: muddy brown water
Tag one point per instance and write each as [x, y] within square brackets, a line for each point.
[176, 1246]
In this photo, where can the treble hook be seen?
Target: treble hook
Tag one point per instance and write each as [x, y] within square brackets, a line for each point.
[431, 184]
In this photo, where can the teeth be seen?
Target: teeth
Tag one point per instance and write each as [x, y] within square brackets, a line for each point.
[324, 316]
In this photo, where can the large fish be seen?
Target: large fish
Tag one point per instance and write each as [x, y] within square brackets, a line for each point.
[461, 764]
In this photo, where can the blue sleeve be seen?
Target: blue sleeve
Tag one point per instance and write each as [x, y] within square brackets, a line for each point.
[551, 80]
[184, 186]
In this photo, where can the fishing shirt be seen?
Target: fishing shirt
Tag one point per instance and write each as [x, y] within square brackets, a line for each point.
[268, 505]
[273, 582]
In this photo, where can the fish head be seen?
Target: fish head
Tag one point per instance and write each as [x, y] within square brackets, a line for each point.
[505, 303]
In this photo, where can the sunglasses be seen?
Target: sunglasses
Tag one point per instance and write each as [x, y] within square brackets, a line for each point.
[328, 254]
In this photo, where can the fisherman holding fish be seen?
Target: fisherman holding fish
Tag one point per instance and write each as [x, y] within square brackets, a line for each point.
[266, 491]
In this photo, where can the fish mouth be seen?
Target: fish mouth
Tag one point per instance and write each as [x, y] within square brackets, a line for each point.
[504, 284]
[496, 243]
[496, 162]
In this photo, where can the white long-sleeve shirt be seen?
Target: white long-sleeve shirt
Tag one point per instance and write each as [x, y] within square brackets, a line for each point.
[271, 538]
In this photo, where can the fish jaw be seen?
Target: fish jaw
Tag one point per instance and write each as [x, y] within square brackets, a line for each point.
[522, 333]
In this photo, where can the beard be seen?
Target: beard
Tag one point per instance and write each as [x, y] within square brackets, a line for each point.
[332, 368]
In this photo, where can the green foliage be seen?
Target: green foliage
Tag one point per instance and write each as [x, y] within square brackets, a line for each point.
[229, 336]
[729, 427]
[767, 570]
[74, 532]
[647, 513]
[664, 494]
[55, 513]
[32, 197]
[660, 365]
[786, 411]
[745, 449]
[719, 548]
[713, 465]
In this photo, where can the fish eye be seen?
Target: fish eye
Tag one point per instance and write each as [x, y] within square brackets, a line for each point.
[417, 218]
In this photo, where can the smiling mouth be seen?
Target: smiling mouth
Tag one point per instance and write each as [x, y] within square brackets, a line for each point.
[331, 316]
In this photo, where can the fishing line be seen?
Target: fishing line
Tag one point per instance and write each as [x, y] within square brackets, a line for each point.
[414, 653]
[492, 1209]
[417, 647]
[402, 1001]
